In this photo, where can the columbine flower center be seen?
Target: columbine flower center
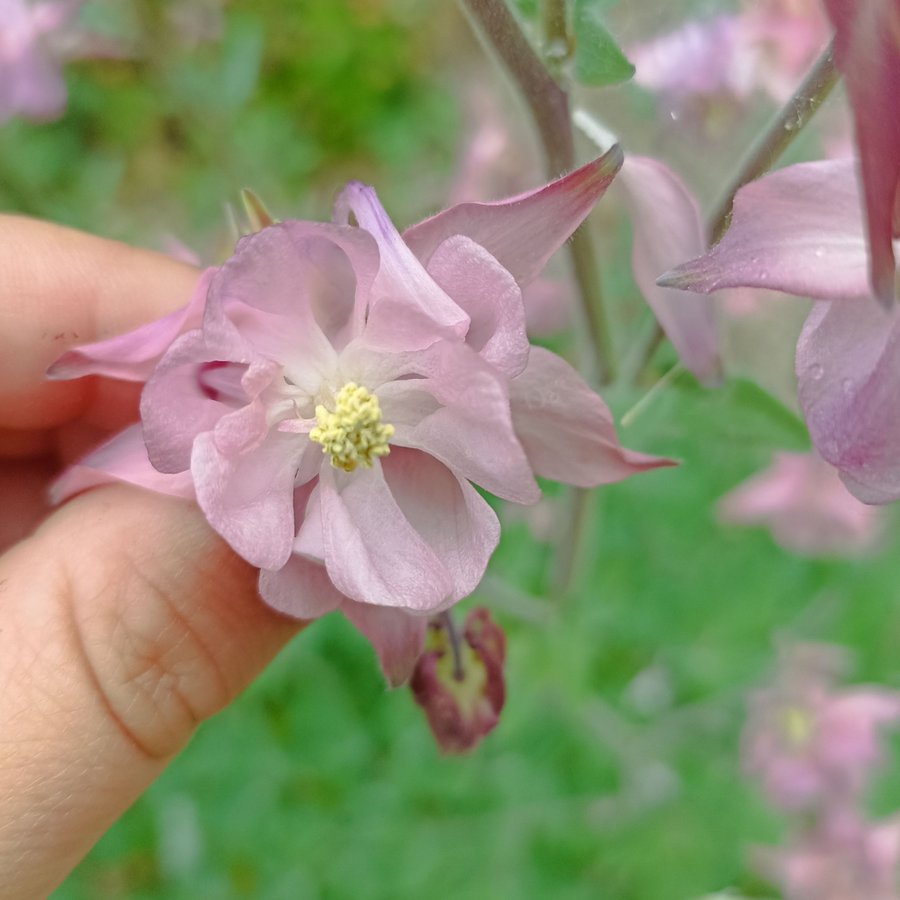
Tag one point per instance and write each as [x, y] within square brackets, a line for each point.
[353, 434]
[798, 726]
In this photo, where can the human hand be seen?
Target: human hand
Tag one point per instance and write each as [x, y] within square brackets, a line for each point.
[124, 620]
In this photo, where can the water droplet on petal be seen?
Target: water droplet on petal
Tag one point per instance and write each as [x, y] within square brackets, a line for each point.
[816, 372]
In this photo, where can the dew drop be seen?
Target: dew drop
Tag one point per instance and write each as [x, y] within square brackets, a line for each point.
[816, 372]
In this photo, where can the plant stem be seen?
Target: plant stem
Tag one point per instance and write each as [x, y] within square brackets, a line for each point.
[569, 544]
[446, 619]
[788, 122]
[549, 107]
[547, 101]
[558, 46]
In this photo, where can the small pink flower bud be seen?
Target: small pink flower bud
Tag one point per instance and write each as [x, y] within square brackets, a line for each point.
[458, 680]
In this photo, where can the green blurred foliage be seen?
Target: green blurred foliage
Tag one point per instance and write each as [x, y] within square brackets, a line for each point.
[291, 101]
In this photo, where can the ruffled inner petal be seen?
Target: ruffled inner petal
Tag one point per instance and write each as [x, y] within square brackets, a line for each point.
[491, 298]
[372, 552]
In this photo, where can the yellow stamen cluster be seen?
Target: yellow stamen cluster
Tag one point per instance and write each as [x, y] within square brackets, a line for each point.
[353, 434]
[798, 726]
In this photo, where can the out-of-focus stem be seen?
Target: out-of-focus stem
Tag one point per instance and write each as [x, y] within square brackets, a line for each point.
[546, 100]
[788, 122]
[557, 46]
[568, 547]
[549, 107]
[446, 619]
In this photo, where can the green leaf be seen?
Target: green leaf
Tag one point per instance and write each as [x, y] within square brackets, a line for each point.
[598, 59]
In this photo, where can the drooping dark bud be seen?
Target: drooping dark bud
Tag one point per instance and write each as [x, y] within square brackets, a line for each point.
[458, 680]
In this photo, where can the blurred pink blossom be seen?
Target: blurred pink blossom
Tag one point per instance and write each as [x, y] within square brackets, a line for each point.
[811, 744]
[329, 393]
[803, 502]
[855, 861]
[768, 46]
[31, 82]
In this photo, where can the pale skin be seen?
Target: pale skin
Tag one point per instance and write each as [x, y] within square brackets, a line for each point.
[124, 620]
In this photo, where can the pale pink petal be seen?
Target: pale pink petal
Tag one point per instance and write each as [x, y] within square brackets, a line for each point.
[667, 229]
[523, 232]
[408, 309]
[491, 298]
[797, 230]
[134, 355]
[566, 429]
[266, 297]
[867, 51]
[372, 552]
[300, 589]
[170, 428]
[460, 414]
[248, 499]
[397, 636]
[548, 306]
[851, 726]
[453, 518]
[848, 368]
[122, 458]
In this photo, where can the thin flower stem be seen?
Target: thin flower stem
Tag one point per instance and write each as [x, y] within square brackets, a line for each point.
[446, 619]
[788, 122]
[629, 417]
[557, 47]
[549, 106]
[568, 546]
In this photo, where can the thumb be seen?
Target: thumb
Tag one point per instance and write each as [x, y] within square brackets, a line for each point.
[124, 622]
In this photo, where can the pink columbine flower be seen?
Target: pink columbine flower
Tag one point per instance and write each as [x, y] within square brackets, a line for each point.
[802, 501]
[811, 744]
[31, 82]
[867, 51]
[800, 230]
[768, 45]
[850, 860]
[344, 388]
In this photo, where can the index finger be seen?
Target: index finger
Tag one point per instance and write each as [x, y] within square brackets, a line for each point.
[59, 288]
